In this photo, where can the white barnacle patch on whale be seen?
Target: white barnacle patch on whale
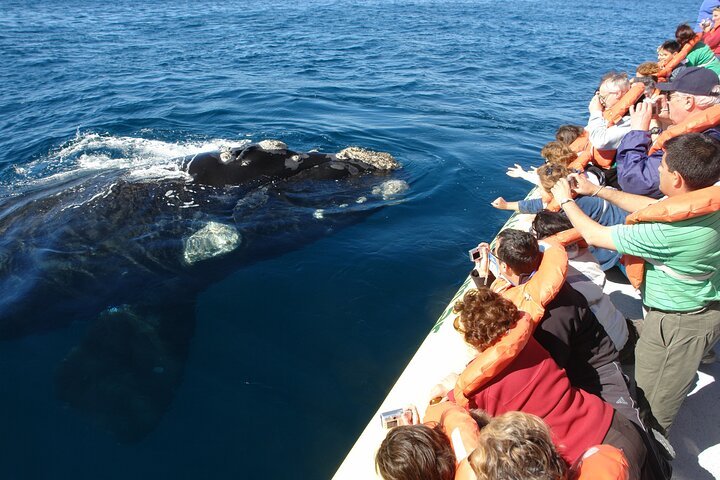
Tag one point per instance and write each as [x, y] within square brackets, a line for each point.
[293, 163]
[379, 160]
[319, 214]
[269, 145]
[390, 188]
[213, 240]
[226, 156]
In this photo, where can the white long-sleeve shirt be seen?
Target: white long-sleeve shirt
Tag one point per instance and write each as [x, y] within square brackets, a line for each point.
[603, 137]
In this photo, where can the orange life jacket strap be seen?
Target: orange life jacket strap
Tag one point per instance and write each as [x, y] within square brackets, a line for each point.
[493, 360]
[672, 209]
[613, 114]
[667, 67]
[696, 122]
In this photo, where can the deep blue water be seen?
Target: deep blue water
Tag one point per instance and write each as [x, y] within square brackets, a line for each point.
[291, 354]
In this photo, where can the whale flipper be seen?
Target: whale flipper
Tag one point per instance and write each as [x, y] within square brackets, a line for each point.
[125, 371]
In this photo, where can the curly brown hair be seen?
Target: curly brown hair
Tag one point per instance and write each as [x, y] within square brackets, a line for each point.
[550, 173]
[558, 152]
[647, 69]
[483, 317]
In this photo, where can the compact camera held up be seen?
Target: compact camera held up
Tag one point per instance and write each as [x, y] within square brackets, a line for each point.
[400, 416]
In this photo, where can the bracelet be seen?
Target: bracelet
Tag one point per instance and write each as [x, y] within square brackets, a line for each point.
[566, 201]
[598, 190]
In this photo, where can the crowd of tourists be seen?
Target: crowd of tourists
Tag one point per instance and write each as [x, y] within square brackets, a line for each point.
[637, 188]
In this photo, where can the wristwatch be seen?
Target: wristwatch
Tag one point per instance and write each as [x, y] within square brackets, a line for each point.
[655, 130]
[566, 201]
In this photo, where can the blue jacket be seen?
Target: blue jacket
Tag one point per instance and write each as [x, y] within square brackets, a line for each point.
[637, 172]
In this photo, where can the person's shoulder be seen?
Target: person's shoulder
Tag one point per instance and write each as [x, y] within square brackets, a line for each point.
[713, 132]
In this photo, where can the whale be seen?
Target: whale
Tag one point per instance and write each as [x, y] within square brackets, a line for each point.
[125, 258]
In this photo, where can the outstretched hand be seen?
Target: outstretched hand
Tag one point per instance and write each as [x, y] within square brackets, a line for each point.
[446, 384]
[500, 203]
[516, 171]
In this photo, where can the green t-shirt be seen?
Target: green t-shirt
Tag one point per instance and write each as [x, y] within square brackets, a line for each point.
[702, 56]
[690, 247]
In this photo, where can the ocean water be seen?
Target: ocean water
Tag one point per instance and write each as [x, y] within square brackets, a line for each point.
[292, 351]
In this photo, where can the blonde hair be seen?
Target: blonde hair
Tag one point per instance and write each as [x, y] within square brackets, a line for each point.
[517, 445]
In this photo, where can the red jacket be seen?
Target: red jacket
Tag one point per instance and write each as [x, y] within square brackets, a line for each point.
[533, 383]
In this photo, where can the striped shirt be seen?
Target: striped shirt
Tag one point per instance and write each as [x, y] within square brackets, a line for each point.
[690, 247]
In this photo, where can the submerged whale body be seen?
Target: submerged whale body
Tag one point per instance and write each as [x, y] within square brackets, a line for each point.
[128, 256]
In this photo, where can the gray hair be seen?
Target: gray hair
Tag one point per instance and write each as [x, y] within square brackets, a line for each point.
[704, 101]
[619, 82]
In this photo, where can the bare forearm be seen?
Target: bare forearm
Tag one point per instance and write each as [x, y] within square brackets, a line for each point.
[627, 201]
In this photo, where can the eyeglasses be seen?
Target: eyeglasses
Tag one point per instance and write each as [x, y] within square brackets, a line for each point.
[603, 98]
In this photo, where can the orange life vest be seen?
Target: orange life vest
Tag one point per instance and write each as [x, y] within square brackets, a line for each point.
[461, 429]
[601, 158]
[695, 122]
[568, 237]
[533, 295]
[601, 462]
[493, 360]
[666, 68]
[613, 114]
[672, 209]
[581, 142]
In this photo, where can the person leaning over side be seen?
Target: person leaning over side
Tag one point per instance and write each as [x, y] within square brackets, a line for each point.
[681, 283]
[694, 93]
[603, 137]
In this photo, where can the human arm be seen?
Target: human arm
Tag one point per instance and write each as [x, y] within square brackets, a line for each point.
[603, 137]
[409, 416]
[501, 204]
[533, 205]
[627, 201]
[638, 172]
[593, 233]
[517, 171]
[444, 388]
